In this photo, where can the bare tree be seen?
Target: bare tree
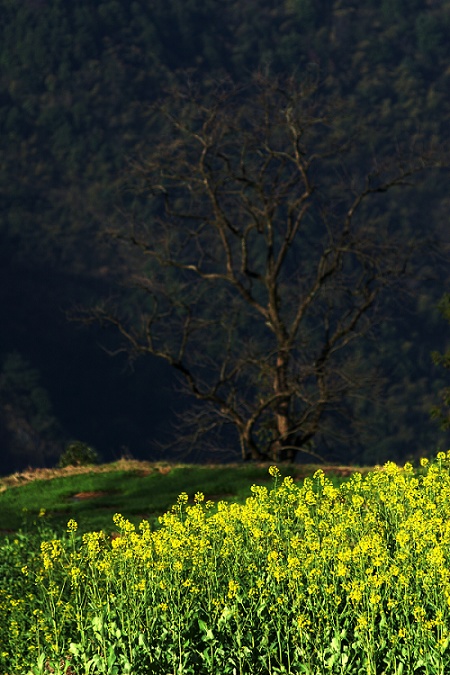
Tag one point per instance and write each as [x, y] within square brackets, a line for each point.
[260, 260]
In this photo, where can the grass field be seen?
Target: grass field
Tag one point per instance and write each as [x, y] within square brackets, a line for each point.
[92, 495]
[341, 574]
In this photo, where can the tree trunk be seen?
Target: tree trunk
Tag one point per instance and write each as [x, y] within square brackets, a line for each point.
[282, 448]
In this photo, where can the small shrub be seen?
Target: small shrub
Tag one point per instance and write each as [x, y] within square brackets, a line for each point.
[78, 454]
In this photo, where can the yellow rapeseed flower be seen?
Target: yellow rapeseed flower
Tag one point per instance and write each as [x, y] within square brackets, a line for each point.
[233, 588]
[274, 471]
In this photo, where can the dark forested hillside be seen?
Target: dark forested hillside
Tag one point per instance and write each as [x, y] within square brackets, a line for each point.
[76, 83]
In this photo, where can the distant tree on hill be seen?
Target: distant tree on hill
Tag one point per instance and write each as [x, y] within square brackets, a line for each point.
[78, 453]
[259, 255]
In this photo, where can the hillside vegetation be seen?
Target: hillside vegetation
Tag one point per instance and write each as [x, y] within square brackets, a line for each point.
[76, 83]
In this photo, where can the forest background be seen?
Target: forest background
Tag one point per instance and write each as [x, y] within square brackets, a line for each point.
[76, 84]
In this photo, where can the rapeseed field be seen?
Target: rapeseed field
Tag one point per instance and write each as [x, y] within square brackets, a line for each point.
[309, 579]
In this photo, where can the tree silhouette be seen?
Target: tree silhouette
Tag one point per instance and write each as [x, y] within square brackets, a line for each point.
[257, 257]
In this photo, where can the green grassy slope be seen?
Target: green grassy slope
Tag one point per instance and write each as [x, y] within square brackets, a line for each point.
[92, 495]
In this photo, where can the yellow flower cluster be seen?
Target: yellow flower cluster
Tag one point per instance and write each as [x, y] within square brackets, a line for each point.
[368, 561]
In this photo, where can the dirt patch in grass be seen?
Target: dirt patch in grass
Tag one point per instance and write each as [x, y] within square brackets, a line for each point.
[89, 494]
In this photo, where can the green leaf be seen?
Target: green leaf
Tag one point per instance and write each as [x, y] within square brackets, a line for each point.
[209, 635]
